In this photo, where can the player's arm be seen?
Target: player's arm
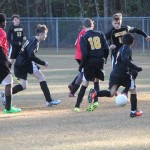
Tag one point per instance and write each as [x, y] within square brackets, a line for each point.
[138, 31]
[83, 46]
[126, 59]
[32, 57]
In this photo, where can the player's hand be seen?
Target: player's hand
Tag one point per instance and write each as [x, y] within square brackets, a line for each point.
[46, 64]
[139, 69]
[80, 69]
[112, 46]
[148, 38]
[24, 38]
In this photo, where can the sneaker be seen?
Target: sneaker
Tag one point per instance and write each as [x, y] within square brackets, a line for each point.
[92, 107]
[2, 95]
[12, 110]
[136, 114]
[72, 95]
[53, 102]
[76, 109]
[91, 95]
[70, 86]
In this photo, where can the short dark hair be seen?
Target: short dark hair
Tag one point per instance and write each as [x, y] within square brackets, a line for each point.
[2, 17]
[128, 39]
[15, 16]
[87, 22]
[40, 28]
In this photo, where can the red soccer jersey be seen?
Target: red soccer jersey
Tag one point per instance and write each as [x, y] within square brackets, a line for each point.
[78, 54]
[3, 41]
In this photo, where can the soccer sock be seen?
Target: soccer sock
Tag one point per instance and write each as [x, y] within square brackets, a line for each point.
[75, 88]
[8, 102]
[96, 87]
[80, 96]
[17, 88]
[103, 93]
[46, 91]
[133, 100]
[73, 82]
[125, 91]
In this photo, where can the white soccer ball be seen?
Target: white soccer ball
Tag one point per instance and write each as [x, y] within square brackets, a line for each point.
[121, 100]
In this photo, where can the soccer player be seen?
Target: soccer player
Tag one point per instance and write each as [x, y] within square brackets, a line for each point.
[94, 54]
[74, 86]
[15, 37]
[5, 75]
[114, 36]
[27, 61]
[120, 75]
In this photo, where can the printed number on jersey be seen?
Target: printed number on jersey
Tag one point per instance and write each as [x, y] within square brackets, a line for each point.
[94, 42]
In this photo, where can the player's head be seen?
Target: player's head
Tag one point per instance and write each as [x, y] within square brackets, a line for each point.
[88, 23]
[15, 19]
[117, 20]
[41, 31]
[128, 39]
[2, 20]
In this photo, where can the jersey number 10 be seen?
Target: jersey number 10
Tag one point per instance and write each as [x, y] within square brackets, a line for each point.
[94, 42]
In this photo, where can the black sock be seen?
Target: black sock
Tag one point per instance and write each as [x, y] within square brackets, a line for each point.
[46, 91]
[133, 100]
[96, 88]
[75, 88]
[73, 82]
[17, 88]
[103, 93]
[125, 91]
[8, 102]
[80, 96]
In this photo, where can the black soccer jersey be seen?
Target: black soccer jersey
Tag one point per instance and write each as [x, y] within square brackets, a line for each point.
[124, 61]
[115, 35]
[15, 35]
[27, 54]
[94, 45]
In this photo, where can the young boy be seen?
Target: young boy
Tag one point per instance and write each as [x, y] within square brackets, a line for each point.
[74, 86]
[26, 62]
[15, 37]
[5, 75]
[94, 53]
[120, 75]
[115, 38]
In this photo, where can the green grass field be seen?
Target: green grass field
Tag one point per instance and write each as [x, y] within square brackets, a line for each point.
[59, 128]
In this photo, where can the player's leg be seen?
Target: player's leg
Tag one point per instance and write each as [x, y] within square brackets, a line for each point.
[8, 81]
[44, 87]
[83, 88]
[133, 99]
[76, 85]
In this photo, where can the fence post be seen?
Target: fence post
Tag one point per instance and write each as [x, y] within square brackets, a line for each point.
[143, 37]
[57, 34]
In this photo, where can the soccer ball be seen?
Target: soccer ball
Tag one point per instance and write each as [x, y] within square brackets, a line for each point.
[121, 100]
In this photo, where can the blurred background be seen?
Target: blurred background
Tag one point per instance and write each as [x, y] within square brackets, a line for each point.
[64, 17]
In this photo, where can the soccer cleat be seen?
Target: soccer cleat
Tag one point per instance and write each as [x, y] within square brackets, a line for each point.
[12, 110]
[70, 86]
[72, 95]
[92, 107]
[136, 114]
[76, 109]
[2, 95]
[91, 95]
[53, 102]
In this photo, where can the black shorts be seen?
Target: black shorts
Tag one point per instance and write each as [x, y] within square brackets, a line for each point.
[4, 71]
[21, 72]
[124, 81]
[14, 51]
[94, 69]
